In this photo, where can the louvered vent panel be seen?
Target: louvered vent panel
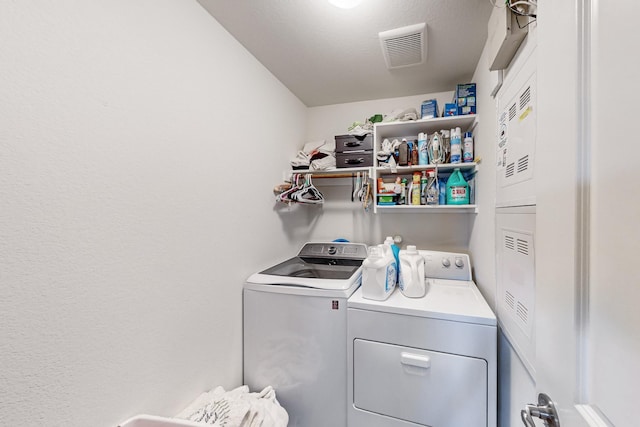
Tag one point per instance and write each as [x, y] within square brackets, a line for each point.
[510, 170]
[512, 112]
[525, 97]
[523, 163]
[404, 46]
[523, 246]
[522, 312]
[510, 299]
[509, 242]
[404, 50]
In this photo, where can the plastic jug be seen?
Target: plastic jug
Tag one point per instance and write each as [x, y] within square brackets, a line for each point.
[394, 249]
[379, 273]
[412, 282]
[457, 189]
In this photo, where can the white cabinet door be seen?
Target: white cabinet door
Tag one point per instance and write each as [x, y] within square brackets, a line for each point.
[587, 293]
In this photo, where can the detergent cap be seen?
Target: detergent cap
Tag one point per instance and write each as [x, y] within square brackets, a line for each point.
[411, 249]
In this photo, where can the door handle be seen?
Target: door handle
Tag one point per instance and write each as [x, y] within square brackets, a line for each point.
[416, 360]
[545, 410]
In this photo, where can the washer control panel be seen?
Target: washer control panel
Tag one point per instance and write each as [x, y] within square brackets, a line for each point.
[343, 250]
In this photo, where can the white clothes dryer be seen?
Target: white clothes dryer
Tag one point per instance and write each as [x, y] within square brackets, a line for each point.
[429, 361]
[295, 331]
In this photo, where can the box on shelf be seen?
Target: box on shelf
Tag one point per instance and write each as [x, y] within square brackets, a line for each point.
[354, 151]
[450, 110]
[346, 143]
[429, 109]
[466, 98]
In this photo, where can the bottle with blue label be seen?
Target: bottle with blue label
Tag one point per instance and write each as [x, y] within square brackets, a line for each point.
[395, 250]
[431, 191]
[467, 148]
[379, 273]
[456, 146]
[423, 156]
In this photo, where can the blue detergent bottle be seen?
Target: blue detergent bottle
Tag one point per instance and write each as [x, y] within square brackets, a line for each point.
[457, 189]
[442, 191]
[395, 250]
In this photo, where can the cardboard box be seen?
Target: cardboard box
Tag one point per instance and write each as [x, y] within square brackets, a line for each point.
[429, 109]
[466, 98]
[450, 110]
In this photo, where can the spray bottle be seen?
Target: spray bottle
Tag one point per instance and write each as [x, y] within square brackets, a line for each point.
[467, 149]
[432, 189]
[423, 157]
[456, 146]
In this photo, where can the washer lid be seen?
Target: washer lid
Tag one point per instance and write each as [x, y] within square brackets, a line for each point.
[315, 268]
[331, 266]
[332, 279]
[453, 300]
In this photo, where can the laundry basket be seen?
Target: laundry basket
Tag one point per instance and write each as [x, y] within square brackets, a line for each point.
[153, 421]
[234, 408]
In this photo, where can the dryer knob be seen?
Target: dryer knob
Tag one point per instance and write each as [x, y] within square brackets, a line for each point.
[459, 263]
[446, 263]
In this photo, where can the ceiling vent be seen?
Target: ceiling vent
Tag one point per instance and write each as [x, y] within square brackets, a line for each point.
[403, 47]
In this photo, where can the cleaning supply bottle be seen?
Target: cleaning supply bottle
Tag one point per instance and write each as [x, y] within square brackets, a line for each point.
[457, 189]
[423, 157]
[390, 244]
[423, 188]
[467, 148]
[379, 273]
[442, 191]
[403, 153]
[415, 156]
[402, 200]
[456, 146]
[415, 189]
[412, 282]
[446, 146]
[432, 195]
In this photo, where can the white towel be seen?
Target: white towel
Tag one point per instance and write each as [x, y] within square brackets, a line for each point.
[237, 408]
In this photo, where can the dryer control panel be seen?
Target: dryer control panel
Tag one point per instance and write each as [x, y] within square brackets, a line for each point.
[446, 265]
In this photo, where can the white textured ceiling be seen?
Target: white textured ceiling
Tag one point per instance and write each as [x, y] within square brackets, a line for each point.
[326, 55]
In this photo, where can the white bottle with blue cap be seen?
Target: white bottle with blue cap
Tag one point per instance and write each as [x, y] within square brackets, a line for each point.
[412, 284]
[379, 273]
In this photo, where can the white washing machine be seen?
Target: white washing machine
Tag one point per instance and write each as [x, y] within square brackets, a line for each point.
[295, 331]
[429, 361]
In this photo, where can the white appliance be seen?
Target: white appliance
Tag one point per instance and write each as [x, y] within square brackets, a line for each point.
[295, 331]
[429, 361]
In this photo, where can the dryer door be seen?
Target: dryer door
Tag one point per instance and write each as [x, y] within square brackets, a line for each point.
[419, 386]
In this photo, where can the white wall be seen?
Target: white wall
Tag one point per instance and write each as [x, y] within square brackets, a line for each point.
[139, 144]
[342, 218]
